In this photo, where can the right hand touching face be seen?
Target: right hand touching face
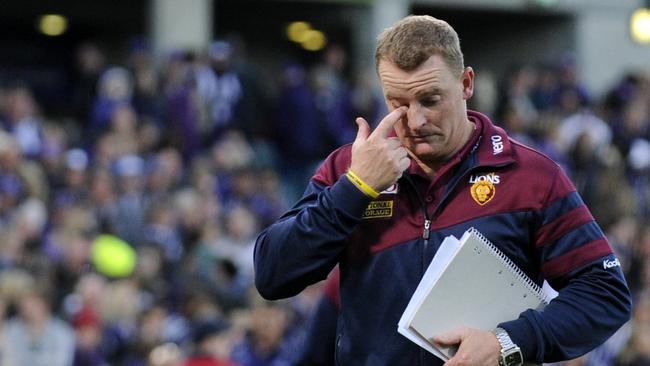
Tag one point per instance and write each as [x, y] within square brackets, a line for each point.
[377, 159]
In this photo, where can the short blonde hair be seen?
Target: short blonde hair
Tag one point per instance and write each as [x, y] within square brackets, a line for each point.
[411, 41]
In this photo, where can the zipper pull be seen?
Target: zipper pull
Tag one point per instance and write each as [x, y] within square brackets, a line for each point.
[427, 226]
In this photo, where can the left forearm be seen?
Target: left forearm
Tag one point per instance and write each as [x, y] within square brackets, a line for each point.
[594, 304]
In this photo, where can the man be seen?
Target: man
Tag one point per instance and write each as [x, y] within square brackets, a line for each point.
[380, 208]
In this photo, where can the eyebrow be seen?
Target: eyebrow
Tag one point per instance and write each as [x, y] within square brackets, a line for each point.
[429, 93]
[423, 94]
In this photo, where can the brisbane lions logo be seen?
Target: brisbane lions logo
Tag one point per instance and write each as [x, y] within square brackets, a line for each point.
[483, 187]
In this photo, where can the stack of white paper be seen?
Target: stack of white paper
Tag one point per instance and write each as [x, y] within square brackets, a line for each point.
[468, 283]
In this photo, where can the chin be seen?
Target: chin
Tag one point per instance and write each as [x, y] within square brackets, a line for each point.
[425, 151]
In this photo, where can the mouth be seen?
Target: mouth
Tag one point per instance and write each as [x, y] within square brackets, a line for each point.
[421, 136]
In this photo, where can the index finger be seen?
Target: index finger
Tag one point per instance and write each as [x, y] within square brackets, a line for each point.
[383, 128]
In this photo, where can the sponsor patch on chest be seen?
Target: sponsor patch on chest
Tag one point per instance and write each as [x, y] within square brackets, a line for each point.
[378, 209]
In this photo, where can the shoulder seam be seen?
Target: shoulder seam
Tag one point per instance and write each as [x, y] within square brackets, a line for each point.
[530, 149]
[550, 186]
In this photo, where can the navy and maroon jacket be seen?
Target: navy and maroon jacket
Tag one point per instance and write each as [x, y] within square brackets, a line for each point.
[531, 211]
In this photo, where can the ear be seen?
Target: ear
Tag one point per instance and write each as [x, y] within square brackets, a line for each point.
[467, 80]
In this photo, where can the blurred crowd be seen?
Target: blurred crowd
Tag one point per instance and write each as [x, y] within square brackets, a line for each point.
[127, 227]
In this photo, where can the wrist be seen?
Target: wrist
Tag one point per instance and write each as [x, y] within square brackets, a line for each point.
[361, 185]
[510, 353]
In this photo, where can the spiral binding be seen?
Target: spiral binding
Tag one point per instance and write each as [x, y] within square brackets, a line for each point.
[508, 263]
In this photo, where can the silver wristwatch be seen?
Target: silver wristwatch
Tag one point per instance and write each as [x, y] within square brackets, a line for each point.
[510, 352]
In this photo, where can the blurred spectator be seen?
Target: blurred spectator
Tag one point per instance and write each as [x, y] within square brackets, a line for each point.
[254, 107]
[300, 130]
[229, 155]
[545, 92]
[237, 243]
[583, 122]
[329, 74]
[181, 106]
[332, 93]
[36, 337]
[161, 231]
[147, 98]
[69, 250]
[88, 328]
[23, 121]
[115, 88]
[569, 82]
[165, 174]
[195, 212]
[22, 236]
[154, 278]
[268, 203]
[103, 194]
[156, 328]
[119, 309]
[268, 342]
[168, 354]
[221, 279]
[123, 130]
[212, 345]
[89, 65]
[20, 177]
[73, 189]
[220, 90]
[131, 203]
[516, 96]
[632, 123]
[56, 140]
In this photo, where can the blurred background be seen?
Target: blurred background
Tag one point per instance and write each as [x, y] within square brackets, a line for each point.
[144, 144]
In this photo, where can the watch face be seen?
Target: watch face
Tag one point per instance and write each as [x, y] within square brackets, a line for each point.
[514, 359]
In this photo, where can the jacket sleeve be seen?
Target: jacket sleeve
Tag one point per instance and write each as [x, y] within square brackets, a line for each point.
[577, 260]
[304, 245]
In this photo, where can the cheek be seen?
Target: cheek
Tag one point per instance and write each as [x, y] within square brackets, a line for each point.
[401, 127]
[441, 117]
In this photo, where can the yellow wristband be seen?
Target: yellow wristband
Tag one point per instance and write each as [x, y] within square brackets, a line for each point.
[365, 188]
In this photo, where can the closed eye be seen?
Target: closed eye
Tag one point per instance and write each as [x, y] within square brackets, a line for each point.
[431, 101]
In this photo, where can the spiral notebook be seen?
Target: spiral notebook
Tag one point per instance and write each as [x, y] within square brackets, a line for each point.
[469, 282]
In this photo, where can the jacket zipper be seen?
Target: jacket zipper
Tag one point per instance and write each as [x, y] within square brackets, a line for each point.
[426, 227]
[426, 232]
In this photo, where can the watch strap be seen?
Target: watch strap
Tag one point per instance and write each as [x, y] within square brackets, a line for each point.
[510, 354]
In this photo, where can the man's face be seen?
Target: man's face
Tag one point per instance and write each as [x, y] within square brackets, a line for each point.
[435, 126]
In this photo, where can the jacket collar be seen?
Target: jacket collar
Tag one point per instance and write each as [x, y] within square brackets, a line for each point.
[494, 146]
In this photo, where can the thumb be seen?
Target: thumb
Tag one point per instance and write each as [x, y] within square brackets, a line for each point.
[364, 129]
[449, 338]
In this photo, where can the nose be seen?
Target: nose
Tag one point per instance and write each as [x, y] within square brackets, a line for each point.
[415, 116]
